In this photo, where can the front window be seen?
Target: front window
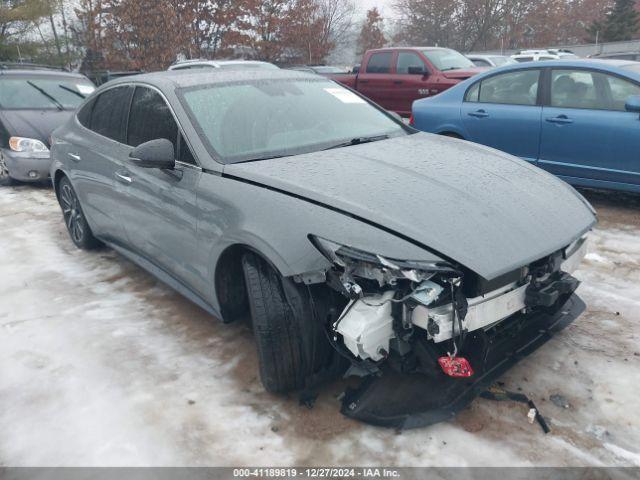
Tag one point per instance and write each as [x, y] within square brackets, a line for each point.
[447, 59]
[43, 93]
[255, 120]
[407, 60]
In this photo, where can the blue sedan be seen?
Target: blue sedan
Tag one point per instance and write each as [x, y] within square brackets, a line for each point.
[578, 119]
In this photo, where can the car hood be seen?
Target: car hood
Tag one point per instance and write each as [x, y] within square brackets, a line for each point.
[464, 73]
[486, 210]
[36, 124]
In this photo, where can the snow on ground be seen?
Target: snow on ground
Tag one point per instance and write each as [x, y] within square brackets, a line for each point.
[102, 365]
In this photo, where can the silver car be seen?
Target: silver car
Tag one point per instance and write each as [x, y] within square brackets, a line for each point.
[354, 245]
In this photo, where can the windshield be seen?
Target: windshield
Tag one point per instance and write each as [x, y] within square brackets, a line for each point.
[500, 61]
[38, 93]
[258, 120]
[634, 67]
[446, 59]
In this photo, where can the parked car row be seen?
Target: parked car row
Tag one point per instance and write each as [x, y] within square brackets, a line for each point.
[577, 119]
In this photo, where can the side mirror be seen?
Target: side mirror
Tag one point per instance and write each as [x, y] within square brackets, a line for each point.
[633, 104]
[356, 69]
[154, 154]
[417, 71]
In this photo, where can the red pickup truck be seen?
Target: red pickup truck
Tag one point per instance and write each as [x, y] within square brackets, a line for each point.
[395, 77]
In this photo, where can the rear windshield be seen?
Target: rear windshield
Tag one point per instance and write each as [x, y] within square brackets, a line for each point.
[38, 93]
[257, 120]
[447, 59]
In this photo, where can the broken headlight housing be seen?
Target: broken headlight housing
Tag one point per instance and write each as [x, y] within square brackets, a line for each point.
[352, 263]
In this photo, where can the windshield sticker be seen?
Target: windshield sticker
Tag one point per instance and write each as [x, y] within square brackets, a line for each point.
[345, 96]
[85, 89]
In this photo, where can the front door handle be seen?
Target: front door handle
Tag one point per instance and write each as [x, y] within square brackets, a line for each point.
[398, 82]
[75, 157]
[478, 114]
[560, 120]
[124, 178]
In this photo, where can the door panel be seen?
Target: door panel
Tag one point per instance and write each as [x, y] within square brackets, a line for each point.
[93, 158]
[410, 87]
[502, 112]
[586, 133]
[375, 82]
[159, 211]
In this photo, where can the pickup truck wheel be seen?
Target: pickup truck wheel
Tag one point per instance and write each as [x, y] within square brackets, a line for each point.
[282, 331]
[74, 218]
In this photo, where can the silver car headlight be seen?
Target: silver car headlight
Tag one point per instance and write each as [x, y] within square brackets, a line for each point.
[27, 145]
[362, 264]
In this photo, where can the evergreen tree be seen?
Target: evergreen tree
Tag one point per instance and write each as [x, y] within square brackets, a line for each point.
[620, 23]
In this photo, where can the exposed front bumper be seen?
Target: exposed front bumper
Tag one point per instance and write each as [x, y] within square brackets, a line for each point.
[27, 167]
[414, 400]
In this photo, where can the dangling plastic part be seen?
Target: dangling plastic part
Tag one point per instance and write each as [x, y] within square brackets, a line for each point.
[456, 367]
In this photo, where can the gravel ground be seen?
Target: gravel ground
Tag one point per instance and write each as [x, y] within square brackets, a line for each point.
[102, 365]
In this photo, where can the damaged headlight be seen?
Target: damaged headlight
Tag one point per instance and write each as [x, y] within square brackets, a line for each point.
[353, 262]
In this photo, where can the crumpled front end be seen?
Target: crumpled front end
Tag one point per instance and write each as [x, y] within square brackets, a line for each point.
[426, 338]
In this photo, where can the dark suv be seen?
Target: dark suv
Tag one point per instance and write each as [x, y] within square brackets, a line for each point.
[34, 101]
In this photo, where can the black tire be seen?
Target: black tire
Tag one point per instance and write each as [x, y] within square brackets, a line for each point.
[291, 345]
[74, 218]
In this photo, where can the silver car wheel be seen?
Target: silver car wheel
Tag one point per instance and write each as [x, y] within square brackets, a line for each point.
[72, 213]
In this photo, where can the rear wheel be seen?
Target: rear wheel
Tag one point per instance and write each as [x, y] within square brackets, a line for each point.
[291, 345]
[74, 218]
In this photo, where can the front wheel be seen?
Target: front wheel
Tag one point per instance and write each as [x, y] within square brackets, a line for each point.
[74, 218]
[291, 344]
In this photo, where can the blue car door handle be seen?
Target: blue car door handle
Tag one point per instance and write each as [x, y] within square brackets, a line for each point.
[478, 114]
[560, 120]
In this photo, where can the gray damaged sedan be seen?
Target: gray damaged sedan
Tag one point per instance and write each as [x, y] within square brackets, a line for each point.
[422, 266]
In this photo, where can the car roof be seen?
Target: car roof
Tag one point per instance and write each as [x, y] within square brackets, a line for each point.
[603, 64]
[213, 62]
[172, 79]
[40, 73]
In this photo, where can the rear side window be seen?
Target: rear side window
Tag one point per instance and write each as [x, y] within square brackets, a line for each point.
[379, 63]
[84, 114]
[512, 88]
[107, 116]
[150, 119]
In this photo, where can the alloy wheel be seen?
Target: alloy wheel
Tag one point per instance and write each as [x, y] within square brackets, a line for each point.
[72, 213]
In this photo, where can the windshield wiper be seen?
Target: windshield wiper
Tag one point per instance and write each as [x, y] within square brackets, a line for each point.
[358, 141]
[64, 87]
[258, 159]
[449, 69]
[50, 97]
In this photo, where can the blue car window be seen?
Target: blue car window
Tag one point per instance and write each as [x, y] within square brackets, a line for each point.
[621, 90]
[576, 89]
[512, 88]
[473, 93]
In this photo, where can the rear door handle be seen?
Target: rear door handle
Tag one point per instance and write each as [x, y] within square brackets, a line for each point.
[124, 177]
[75, 157]
[478, 114]
[560, 120]
[363, 81]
